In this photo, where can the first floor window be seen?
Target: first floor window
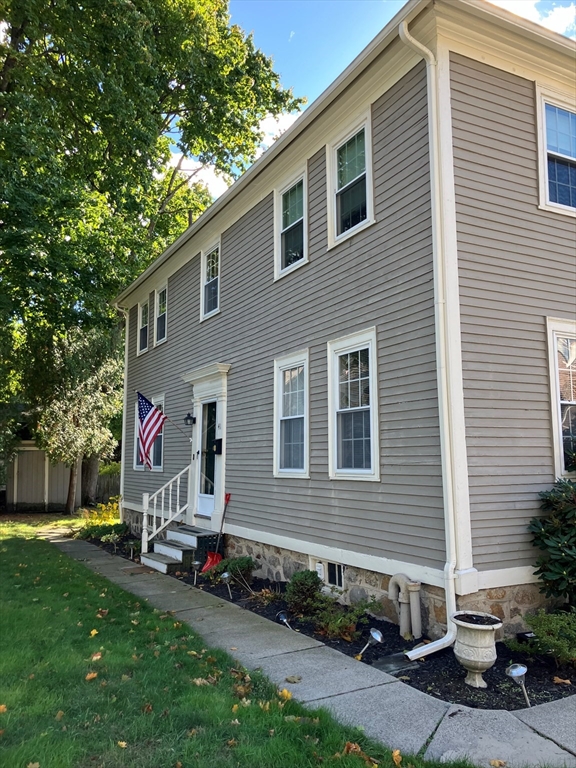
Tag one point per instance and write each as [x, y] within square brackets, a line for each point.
[157, 450]
[291, 396]
[566, 378]
[160, 316]
[143, 327]
[351, 194]
[211, 281]
[353, 405]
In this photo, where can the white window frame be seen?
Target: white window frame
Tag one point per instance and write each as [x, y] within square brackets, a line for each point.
[141, 305]
[364, 122]
[337, 347]
[322, 567]
[157, 293]
[282, 364]
[204, 257]
[158, 400]
[563, 101]
[557, 327]
[278, 194]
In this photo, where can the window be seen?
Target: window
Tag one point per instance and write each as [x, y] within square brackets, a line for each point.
[291, 416]
[353, 420]
[160, 335]
[142, 327]
[291, 224]
[211, 281]
[157, 453]
[562, 345]
[557, 129]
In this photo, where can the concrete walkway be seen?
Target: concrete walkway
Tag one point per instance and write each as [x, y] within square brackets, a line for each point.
[388, 710]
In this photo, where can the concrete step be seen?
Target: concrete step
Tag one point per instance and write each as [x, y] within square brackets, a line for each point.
[183, 553]
[161, 563]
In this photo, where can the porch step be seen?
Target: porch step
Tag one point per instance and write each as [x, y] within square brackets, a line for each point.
[161, 563]
[194, 537]
[182, 553]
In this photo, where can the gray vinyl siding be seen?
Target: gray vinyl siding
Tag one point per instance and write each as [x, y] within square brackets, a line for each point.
[517, 265]
[381, 277]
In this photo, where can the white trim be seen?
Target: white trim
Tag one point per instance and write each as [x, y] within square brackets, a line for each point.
[124, 462]
[157, 293]
[423, 573]
[507, 577]
[364, 122]
[557, 327]
[280, 365]
[545, 96]
[301, 175]
[200, 375]
[140, 351]
[336, 347]
[203, 258]
[157, 400]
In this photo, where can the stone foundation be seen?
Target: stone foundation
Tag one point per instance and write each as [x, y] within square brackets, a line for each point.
[509, 604]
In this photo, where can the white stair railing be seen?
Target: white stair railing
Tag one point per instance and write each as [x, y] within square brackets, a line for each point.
[164, 506]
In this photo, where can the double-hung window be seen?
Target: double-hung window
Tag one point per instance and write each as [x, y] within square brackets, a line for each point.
[160, 334]
[291, 223]
[353, 407]
[562, 346]
[291, 416]
[211, 281]
[157, 450]
[143, 326]
[557, 120]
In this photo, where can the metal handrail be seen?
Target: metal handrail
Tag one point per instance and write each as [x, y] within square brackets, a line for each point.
[164, 504]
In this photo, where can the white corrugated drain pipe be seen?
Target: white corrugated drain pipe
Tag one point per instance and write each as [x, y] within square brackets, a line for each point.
[441, 341]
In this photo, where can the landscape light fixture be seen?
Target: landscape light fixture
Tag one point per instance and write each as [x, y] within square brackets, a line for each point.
[518, 673]
[196, 565]
[227, 578]
[189, 420]
[282, 617]
[375, 637]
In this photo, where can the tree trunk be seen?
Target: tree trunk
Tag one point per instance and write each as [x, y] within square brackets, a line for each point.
[71, 500]
[90, 466]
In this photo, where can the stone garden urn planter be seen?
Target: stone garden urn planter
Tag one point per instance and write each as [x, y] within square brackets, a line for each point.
[475, 646]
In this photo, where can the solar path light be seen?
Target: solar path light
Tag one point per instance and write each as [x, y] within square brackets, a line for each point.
[518, 673]
[196, 565]
[375, 637]
[282, 617]
[227, 578]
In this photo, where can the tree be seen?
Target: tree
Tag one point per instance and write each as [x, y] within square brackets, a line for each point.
[93, 97]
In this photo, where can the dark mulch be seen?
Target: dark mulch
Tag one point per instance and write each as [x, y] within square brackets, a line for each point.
[439, 674]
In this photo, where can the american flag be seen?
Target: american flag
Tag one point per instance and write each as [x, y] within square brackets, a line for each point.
[150, 423]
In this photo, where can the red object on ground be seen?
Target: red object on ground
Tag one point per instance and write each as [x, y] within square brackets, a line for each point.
[214, 558]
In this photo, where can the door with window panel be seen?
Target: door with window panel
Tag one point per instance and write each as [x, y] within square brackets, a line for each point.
[207, 460]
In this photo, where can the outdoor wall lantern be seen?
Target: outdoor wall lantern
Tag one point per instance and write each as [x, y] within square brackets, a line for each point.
[189, 420]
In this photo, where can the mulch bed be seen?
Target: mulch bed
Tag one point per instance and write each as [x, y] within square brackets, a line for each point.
[438, 675]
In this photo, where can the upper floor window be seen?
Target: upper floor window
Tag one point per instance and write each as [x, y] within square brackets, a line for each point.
[562, 343]
[291, 227]
[291, 416]
[353, 408]
[211, 281]
[557, 132]
[143, 327]
[161, 296]
[350, 184]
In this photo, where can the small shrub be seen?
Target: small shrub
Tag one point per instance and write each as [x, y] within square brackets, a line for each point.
[335, 620]
[111, 538]
[97, 531]
[241, 568]
[304, 592]
[103, 513]
[555, 635]
[555, 535]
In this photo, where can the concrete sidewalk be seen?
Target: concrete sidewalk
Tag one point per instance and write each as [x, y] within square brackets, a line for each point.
[388, 710]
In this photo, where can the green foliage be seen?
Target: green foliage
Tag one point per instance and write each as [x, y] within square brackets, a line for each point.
[304, 592]
[336, 620]
[112, 538]
[98, 530]
[103, 513]
[112, 468]
[556, 536]
[240, 567]
[555, 636]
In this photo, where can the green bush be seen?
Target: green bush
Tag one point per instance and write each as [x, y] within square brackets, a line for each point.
[240, 567]
[113, 468]
[336, 620]
[555, 636]
[555, 535]
[98, 530]
[304, 593]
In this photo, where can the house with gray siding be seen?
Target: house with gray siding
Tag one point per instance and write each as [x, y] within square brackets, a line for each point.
[374, 327]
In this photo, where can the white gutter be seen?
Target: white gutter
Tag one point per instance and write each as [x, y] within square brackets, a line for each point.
[439, 266]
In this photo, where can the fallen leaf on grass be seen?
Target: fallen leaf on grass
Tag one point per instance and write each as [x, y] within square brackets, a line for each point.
[3, 708]
[293, 679]
[497, 763]
[31, 677]
[178, 764]
[560, 681]
[200, 681]
[122, 744]
[192, 732]
[396, 757]
[231, 742]
[91, 675]
[285, 694]
[352, 748]
[235, 708]
[96, 656]
[235, 722]
[93, 632]
[1, 732]
[125, 678]
[59, 714]
[33, 765]
[102, 612]
[147, 708]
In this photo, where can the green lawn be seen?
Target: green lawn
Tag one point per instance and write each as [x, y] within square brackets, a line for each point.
[90, 677]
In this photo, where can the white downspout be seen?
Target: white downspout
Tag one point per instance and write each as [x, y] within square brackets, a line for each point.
[126, 316]
[439, 263]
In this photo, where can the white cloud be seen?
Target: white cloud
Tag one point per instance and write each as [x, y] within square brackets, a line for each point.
[274, 127]
[560, 18]
[292, 33]
[217, 183]
[3, 32]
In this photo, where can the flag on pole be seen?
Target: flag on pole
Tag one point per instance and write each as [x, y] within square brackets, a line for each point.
[150, 423]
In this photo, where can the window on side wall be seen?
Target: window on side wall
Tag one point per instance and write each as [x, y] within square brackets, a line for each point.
[353, 407]
[557, 132]
[291, 415]
[562, 346]
[211, 281]
[157, 451]
[143, 327]
[161, 305]
[291, 224]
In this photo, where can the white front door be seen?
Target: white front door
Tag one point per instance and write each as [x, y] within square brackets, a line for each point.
[207, 460]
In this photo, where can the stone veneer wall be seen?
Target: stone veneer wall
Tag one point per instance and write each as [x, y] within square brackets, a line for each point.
[507, 603]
